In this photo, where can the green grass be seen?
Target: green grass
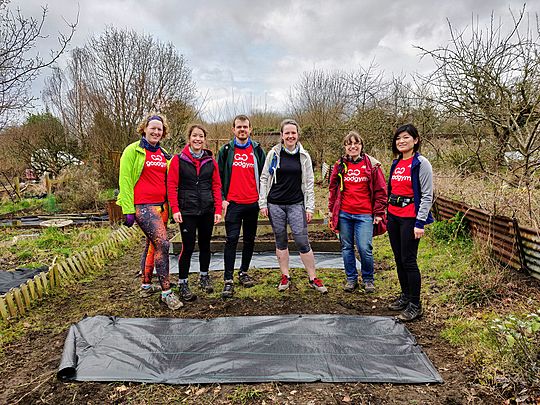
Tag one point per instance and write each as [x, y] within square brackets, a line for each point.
[25, 204]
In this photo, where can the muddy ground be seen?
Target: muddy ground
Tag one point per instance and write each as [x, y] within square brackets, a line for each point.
[28, 365]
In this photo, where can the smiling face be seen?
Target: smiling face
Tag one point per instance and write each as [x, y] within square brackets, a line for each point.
[241, 130]
[404, 143]
[289, 136]
[153, 132]
[197, 139]
[353, 148]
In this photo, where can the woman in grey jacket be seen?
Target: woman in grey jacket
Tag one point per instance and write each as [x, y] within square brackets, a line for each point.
[410, 191]
[286, 196]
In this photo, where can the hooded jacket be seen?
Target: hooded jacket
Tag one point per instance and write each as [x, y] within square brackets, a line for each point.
[269, 177]
[131, 167]
[422, 184]
[193, 185]
[225, 161]
[376, 187]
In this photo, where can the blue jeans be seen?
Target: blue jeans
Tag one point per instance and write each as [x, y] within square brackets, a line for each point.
[359, 228]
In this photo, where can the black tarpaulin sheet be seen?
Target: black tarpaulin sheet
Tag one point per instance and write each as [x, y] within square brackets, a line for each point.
[13, 279]
[290, 348]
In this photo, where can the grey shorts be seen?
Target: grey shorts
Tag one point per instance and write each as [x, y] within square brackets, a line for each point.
[295, 216]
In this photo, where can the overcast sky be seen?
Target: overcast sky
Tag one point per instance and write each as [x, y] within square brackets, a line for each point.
[247, 54]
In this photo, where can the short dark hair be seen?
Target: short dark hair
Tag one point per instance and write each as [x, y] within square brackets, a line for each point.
[240, 117]
[412, 131]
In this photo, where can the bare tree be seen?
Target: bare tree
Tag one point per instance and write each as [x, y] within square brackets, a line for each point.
[319, 102]
[114, 80]
[490, 77]
[20, 63]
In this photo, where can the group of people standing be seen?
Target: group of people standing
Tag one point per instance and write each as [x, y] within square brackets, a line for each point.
[200, 191]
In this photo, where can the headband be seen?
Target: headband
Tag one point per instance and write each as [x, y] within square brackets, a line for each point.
[155, 117]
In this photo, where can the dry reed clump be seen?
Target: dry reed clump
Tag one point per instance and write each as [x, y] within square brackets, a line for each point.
[78, 188]
[493, 195]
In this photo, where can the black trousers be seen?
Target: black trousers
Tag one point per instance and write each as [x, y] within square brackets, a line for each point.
[190, 226]
[238, 216]
[405, 248]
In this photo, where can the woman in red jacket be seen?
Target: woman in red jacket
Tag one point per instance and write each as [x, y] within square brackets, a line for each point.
[194, 191]
[356, 204]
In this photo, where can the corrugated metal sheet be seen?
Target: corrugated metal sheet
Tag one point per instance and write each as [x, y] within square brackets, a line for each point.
[518, 246]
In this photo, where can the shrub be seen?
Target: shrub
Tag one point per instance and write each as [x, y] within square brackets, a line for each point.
[517, 339]
[455, 228]
[79, 188]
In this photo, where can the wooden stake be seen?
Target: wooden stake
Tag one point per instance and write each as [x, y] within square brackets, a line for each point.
[32, 288]
[44, 281]
[19, 301]
[3, 310]
[39, 286]
[11, 304]
[26, 295]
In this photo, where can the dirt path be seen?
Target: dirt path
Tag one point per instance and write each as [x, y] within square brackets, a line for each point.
[28, 367]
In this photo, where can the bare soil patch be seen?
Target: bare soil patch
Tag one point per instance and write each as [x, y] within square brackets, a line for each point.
[28, 366]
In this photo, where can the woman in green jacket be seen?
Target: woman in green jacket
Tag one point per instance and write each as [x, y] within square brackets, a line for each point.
[143, 198]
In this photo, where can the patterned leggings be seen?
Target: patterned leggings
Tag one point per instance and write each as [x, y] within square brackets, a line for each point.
[152, 219]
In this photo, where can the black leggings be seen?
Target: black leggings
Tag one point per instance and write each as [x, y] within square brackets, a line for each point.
[203, 225]
[405, 248]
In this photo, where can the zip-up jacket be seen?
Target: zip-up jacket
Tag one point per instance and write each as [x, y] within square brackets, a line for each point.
[131, 167]
[376, 186]
[193, 185]
[225, 161]
[269, 177]
[422, 184]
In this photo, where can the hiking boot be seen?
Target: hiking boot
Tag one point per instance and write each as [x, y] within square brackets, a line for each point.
[399, 304]
[369, 287]
[350, 286]
[245, 280]
[228, 289]
[205, 284]
[145, 292]
[172, 301]
[185, 292]
[317, 284]
[284, 283]
[411, 313]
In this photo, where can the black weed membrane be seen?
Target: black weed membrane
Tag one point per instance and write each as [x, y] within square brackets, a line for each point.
[249, 349]
[13, 279]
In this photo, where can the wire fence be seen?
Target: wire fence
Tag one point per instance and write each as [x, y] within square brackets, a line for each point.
[511, 243]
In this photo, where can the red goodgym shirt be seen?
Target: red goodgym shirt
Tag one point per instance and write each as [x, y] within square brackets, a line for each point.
[401, 185]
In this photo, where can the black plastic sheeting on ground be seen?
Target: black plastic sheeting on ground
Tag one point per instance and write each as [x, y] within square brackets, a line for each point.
[290, 348]
[262, 260]
[13, 279]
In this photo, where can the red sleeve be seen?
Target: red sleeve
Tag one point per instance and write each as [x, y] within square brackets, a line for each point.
[172, 184]
[333, 186]
[380, 194]
[216, 188]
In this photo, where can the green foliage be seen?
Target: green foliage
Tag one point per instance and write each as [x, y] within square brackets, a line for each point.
[244, 394]
[455, 228]
[50, 205]
[518, 341]
[12, 207]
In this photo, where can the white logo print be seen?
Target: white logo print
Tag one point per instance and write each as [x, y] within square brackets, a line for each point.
[240, 160]
[398, 174]
[354, 176]
[157, 161]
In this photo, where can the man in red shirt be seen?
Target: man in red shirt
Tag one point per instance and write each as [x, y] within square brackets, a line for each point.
[240, 163]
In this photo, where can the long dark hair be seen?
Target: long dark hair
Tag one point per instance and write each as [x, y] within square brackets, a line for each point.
[412, 131]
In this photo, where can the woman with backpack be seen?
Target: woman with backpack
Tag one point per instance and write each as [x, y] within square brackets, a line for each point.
[410, 190]
[357, 206]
